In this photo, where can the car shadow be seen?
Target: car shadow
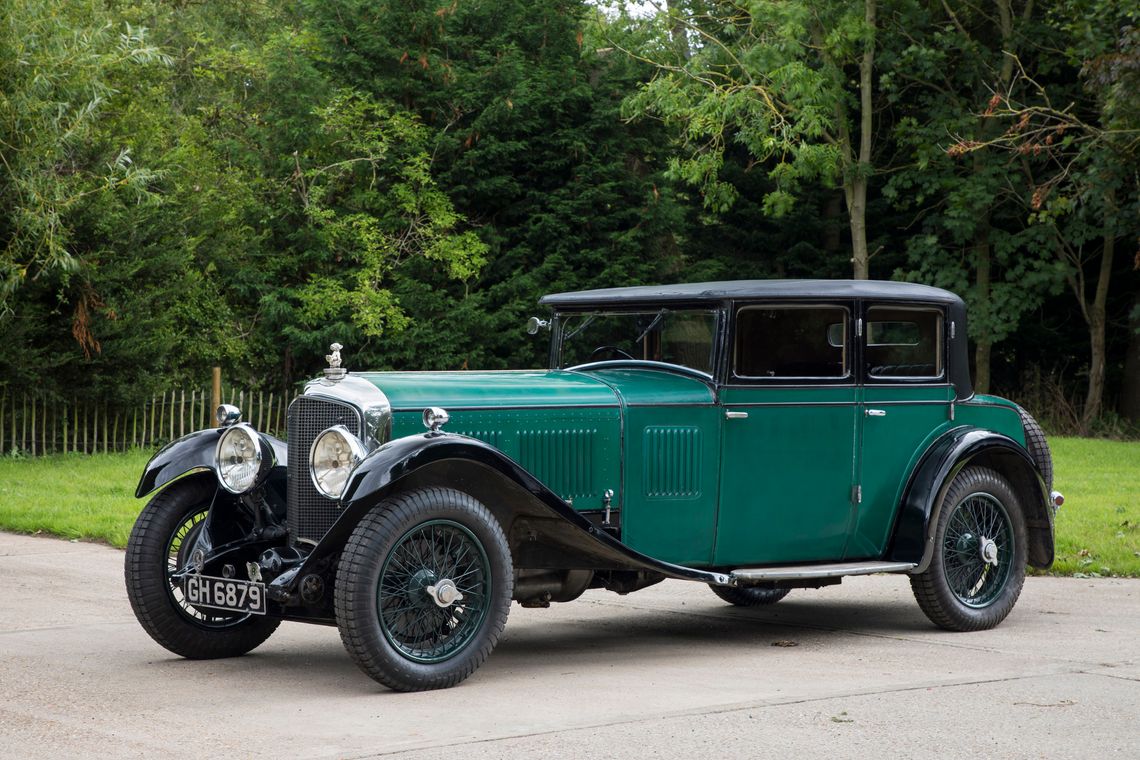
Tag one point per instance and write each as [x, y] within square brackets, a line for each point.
[320, 666]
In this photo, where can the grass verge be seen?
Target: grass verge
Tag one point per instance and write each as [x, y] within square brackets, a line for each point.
[1098, 529]
[92, 497]
[74, 496]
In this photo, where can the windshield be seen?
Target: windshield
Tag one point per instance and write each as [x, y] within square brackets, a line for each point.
[684, 337]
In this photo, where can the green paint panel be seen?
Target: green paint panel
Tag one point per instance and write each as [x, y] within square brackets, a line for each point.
[672, 471]
[991, 413]
[912, 417]
[575, 452]
[639, 387]
[787, 474]
[415, 391]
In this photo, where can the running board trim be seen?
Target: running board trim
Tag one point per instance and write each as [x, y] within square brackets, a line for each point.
[796, 572]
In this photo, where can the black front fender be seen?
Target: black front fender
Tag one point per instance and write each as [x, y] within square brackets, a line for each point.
[190, 453]
[544, 530]
[913, 536]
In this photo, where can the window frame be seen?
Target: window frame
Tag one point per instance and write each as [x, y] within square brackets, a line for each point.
[941, 354]
[559, 318]
[848, 378]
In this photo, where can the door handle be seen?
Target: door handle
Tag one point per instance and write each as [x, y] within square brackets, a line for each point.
[875, 412]
[736, 415]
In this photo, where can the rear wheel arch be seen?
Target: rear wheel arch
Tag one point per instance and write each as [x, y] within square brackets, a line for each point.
[926, 489]
[1025, 479]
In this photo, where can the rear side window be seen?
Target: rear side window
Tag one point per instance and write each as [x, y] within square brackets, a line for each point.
[903, 343]
[791, 342]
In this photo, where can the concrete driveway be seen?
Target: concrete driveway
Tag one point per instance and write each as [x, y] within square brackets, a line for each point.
[848, 671]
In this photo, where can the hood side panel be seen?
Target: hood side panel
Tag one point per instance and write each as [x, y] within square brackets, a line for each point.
[575, 452]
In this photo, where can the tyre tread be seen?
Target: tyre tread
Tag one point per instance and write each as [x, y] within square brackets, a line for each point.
[355, 587]
[1038, 446]
[144, 571]
[929, 587]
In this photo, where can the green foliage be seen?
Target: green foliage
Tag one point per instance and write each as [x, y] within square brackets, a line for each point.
[186, 185]
[60, 67]
[767, 76]
[376, 209]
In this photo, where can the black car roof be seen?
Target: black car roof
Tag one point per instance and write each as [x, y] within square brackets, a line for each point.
[749, 290]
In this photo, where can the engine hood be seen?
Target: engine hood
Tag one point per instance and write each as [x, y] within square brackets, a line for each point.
[522, 389]
[413, 391]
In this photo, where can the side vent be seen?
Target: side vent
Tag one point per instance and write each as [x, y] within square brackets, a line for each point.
[672, 462]
[562, 459]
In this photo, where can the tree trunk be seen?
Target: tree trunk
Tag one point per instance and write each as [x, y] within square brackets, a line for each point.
[984, 339]
[677, 32]
[855, 185]
[856, 192]
[1097, 320]
[1130, 394]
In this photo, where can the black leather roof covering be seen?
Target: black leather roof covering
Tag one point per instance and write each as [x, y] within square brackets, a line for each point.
[751, 289]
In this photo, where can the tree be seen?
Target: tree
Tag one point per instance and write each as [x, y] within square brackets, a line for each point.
[773, 77]
[968, 203]
[1080, 159]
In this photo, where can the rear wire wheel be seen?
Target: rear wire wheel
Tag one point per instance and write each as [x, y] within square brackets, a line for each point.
[978, 565]
[423, 589]
[749, 596]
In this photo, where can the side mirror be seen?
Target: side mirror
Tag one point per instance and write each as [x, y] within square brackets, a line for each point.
[534, 324]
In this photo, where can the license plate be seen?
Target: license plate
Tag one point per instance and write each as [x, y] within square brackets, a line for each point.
[225, 594]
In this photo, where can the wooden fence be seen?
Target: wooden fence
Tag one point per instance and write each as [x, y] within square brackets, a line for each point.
[32, 425]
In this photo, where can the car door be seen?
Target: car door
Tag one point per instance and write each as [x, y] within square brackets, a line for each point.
[787, 464]
[906, 403]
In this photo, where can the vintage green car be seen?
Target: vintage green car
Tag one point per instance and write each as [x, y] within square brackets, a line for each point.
[755, 436]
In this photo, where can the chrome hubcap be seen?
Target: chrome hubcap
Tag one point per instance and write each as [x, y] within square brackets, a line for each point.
[989, 551]
[444, 593]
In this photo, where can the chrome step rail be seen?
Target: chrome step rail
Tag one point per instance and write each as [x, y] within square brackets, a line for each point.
[799, 572]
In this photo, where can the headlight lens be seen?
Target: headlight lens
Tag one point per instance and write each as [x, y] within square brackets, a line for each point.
[238, 459]
[333, 457]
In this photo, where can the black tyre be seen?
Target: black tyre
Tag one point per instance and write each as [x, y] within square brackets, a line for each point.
[160, 544]
[423, 589]
[749, 596]
[978, 566]
[1037, 446]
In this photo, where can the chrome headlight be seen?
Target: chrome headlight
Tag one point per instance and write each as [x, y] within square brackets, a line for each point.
[238, 458]
[332, 458]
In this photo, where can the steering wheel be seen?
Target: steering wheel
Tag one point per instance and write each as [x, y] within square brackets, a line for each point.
[612, 349]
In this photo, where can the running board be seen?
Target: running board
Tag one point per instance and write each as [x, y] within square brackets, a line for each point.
[800, 572]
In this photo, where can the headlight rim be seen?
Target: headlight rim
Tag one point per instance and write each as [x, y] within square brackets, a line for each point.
[357, 450]
[258, 458]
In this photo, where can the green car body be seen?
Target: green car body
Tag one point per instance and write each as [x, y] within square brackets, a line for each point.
[756, 436]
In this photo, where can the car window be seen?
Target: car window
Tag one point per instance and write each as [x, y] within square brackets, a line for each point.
[903, 343]
[684, 337]
[791, 342]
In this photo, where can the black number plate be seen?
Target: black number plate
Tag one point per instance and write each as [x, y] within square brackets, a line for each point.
[225, 594]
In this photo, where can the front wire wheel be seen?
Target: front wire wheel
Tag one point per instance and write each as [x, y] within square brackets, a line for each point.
[160, 544]
[978, 567]
[423, 589]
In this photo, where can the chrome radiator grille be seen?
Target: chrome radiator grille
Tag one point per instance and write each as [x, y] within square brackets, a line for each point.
[310, 514]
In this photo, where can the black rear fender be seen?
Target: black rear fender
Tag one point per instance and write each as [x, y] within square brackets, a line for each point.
[913, 537]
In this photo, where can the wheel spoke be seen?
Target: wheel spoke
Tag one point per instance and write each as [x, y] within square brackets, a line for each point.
[422, 630]
[975, 582]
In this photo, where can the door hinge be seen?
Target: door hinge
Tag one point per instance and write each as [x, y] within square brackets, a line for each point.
[953, 325]
[858, 328]
[951, 411]
[857, 494]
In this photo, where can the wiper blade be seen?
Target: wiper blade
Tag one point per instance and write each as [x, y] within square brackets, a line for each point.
[654, 323]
